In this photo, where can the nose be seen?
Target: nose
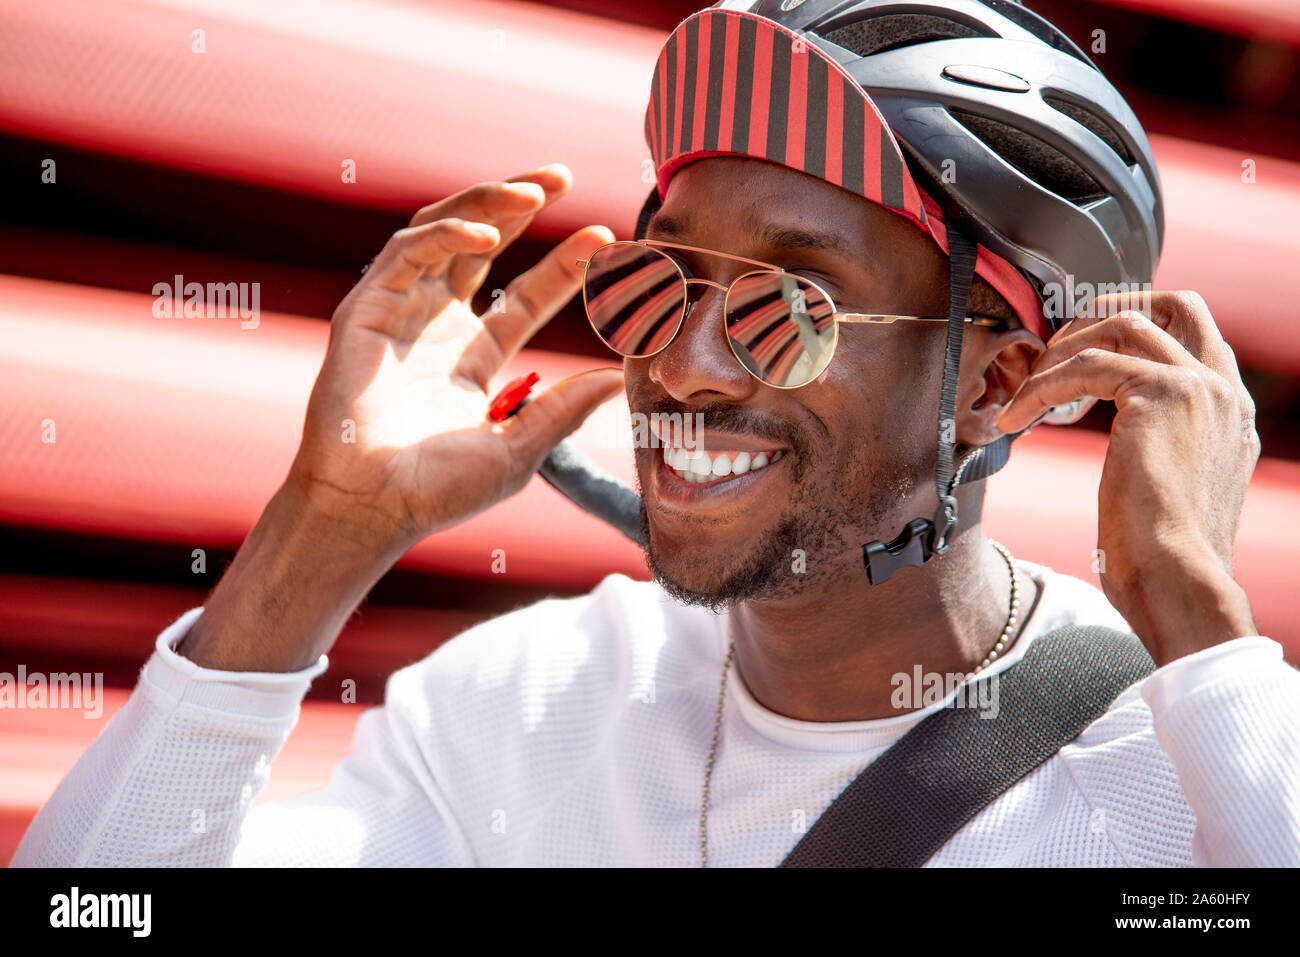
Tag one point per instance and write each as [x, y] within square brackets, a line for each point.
[698, 364]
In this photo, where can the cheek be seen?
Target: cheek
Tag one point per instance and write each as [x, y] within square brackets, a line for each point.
[879, 398]
[875, 378]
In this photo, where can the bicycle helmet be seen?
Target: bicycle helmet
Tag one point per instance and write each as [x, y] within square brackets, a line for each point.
[1000, 118]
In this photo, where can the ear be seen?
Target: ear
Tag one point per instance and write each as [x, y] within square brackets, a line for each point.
[993, 367]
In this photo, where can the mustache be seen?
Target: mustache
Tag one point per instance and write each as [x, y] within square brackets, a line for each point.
[727, 417]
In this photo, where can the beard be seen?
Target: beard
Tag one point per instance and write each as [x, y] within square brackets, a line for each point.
[862, 494]
[762, 571]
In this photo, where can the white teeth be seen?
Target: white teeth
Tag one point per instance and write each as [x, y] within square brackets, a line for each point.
[697, 465]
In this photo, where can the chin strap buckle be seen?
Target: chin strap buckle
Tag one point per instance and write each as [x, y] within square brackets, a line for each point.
[918, 542]
[911, 547]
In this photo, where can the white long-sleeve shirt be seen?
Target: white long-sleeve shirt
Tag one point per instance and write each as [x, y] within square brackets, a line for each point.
[576, 731]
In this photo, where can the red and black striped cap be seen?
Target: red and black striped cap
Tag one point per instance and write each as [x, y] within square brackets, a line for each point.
[729, 82]
[733, 83]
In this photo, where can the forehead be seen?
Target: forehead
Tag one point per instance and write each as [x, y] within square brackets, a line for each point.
[762, 205]
[764, 231]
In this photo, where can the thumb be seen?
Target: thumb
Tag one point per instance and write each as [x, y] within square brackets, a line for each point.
[554, 414]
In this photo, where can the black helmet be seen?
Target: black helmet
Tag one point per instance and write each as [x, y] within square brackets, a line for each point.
[1005, 122]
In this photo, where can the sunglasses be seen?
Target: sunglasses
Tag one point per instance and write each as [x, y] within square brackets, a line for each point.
[783, 328]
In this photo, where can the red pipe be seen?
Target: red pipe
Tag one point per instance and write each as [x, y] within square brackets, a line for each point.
[427, 100]
[179, 430]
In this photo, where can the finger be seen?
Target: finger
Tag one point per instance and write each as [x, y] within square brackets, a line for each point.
[534, 297]
[1092, 372]
[495, 204]
[509, 205]
[554, 414]
[483, 202]
[555, 179]
[410, 253]
[1186, 317]
[468, 272]
[1128, 333]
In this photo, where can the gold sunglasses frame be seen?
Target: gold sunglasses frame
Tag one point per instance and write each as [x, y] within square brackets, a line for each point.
[687, 306]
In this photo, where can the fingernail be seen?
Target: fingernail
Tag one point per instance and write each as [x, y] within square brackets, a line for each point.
[531, 190]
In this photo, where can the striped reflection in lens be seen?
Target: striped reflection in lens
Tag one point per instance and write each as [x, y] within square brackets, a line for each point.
[634, 297]
[781, 327]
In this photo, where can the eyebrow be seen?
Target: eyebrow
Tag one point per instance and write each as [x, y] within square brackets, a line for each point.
[769, 235]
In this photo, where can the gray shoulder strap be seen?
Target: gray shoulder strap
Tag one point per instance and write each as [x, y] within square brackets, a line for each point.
[911, 800]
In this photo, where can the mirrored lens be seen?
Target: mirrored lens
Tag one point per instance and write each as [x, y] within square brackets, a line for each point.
[635, 298]
[781, 327]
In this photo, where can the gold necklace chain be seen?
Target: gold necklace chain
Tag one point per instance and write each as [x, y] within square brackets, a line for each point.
[1013, 618]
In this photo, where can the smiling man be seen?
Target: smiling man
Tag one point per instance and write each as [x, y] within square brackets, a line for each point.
[857, 446]
[863, 334]
[847, 458]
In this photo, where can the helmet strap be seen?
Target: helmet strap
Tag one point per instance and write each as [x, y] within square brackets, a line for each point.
[922, 539]
[962, 253]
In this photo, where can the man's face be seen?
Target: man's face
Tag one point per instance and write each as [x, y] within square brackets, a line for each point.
[857, 444]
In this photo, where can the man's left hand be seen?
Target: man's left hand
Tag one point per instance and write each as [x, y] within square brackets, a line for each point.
[1182, 449]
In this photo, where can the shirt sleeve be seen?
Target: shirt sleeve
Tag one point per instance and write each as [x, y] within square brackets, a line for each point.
[1228, 717]
[171, 778]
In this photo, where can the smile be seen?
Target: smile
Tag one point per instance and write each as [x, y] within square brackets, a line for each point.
[718, 481]
[699, 466]
[717, 474]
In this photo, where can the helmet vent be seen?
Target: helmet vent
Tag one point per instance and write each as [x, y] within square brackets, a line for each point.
[1092, 122]
[1028, 20]
[1042, 163]
[889, 32]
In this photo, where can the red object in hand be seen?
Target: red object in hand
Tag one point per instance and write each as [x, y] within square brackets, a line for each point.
[509, 399]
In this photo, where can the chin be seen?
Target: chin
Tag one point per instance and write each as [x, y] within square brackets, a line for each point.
[719, 576]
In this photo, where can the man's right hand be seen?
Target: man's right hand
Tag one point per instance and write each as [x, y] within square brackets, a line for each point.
[397, 443]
